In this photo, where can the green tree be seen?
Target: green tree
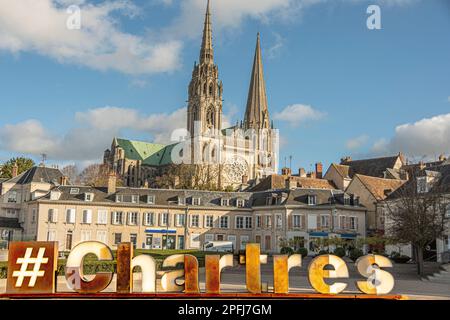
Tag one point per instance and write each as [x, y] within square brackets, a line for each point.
[23, 165]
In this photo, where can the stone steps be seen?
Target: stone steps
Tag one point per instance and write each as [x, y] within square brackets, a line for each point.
[443, 276]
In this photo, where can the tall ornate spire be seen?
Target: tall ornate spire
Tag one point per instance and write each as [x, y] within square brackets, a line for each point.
[257, 112]
[207, 51]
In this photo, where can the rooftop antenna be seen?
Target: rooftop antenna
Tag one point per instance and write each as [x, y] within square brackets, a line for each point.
[43, 159]
[290, 162]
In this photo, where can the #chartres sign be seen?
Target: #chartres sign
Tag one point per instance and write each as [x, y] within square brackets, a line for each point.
[32, 269]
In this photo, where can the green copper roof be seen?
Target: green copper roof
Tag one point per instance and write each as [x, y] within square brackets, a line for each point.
[151, 154]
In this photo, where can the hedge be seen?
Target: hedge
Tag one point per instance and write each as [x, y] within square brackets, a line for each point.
[92, 266]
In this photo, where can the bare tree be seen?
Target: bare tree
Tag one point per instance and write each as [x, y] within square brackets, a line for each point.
[416, 215]
[71, 172]
[197, 177]
[96, 175]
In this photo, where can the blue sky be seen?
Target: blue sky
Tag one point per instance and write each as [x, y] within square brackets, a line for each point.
[335, 88]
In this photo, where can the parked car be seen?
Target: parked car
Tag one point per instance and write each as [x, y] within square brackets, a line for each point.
[218, 246]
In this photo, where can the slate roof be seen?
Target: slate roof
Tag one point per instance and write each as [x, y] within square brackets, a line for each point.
[276, 181]
[11, 223]
[343, 170]
[162, 196]
[442, 185]
[378, 186]
[370, 167]
[38, 174]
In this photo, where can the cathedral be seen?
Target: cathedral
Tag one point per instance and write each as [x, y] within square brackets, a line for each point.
[232, 157]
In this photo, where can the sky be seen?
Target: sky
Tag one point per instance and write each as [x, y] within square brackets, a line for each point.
[335, 87]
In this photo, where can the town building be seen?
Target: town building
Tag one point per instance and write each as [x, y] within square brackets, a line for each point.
[236, 155]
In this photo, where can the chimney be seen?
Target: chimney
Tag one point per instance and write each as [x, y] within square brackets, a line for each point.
[15, 170]
[319, 170]
[346, 159]
[311, 175]
[112, 181]
[442, 158]
[286, 171]
[302, 173]
[291, 183]
[63, 180]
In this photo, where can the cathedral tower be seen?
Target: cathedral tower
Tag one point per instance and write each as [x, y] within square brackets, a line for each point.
[205, 89]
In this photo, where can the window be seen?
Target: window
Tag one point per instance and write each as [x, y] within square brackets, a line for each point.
[268, 221]
[70, 216]
[88, 197]
[117, 238]
[224, 222]
[243, 222]
[117, 218]
[342, 222]
[133, 218]
[164, 219]
[195, 221]
[353, 225]
[127, 198]
[422, 185]
[149, 218]
[85, 235]
[312, 200]
[151, 199]
[51, 235]
[279, 221]
[181, 201]
[102, 236]
[134, 198]
[209, 237]
[258, 221]
[180, 220]
[209, 222]
[240, 203]
[196, 201]
[12, 196]
[133, 239]
[244, 241]
[33, 216]
[87, 216]
[325, 221]
[74, 191]
[346, 200]
[225, 202]
[312, 221]
[53, 215]
[102, 216]
[297, 221]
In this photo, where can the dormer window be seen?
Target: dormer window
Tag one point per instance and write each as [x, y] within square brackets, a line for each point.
[240, 203]
[312, 200]
[225, 202]
[88, 197]
[346, 200]
[54, 195]
[74, 191]
[134, 198]
[150, 199]
[181, 201]
[12, 196]
[422, 185]
[196, 201]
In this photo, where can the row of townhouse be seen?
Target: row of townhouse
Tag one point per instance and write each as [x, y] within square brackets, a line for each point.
[187, 219]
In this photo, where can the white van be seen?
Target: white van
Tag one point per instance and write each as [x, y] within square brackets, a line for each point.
[218, 246]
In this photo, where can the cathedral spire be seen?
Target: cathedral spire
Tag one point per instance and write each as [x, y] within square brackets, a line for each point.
[207, 52]
[257, 113]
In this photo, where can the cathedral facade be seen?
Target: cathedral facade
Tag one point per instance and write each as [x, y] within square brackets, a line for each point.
[232, 157]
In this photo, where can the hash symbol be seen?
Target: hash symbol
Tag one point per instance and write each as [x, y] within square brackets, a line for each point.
[33, 274]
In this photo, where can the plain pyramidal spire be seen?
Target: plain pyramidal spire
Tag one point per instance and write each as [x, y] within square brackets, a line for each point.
[207, 52]
[257, 111]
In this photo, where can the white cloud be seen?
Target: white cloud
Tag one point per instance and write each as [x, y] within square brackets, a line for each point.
[297, 113]
[448, 99]
[277, 46]
[356, 143]
[93, 133]
[40, 26]
[427, 137]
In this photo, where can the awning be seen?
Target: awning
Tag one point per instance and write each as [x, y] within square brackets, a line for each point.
[318, 234]
[348, 236]
[165, 231]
